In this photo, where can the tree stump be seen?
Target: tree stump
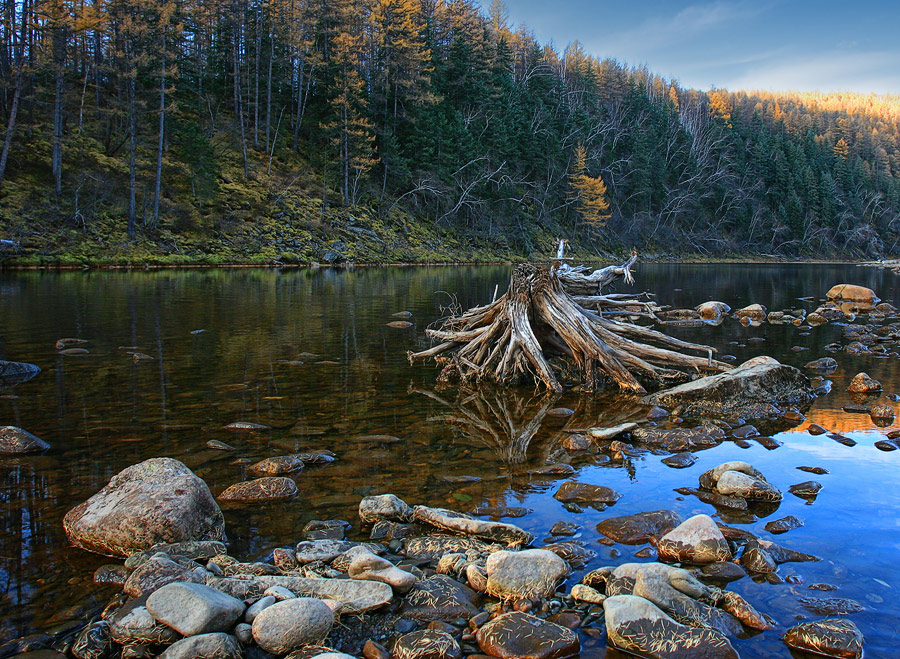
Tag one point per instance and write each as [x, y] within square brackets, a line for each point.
[509, 340]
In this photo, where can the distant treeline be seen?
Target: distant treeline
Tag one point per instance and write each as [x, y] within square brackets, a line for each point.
[174, 118]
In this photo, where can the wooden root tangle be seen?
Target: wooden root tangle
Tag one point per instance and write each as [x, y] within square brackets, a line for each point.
[510, 339]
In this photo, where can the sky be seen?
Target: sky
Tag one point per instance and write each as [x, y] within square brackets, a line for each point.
[797, 45]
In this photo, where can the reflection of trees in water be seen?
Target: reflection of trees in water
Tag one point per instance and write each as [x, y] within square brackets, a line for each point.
[508, 420]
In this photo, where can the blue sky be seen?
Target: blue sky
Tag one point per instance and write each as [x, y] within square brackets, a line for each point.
[762, 44]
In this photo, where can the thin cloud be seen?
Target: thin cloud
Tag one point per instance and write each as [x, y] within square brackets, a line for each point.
[873, 71]
[662, 32]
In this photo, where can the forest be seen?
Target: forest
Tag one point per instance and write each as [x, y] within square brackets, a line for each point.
[294, 131]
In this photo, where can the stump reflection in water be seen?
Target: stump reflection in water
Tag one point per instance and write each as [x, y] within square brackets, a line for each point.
[509, 421]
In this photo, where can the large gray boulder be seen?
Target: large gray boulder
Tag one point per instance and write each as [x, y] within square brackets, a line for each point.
[156, 501]
[291, 624]
[384, 507]
[529, 574]
[638, 626]
[192, 608]
[15, 440]
[759, 381]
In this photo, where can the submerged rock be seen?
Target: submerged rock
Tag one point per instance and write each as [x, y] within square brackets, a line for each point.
[825, 364]
[516, 634]
[680, 439]
[529, 574]
[833, 637]
[574, 492]
[261, 489]
[639, 528]
[16, 372]
[636, 625]
[15, 440]
[277, 466]
[762, 380]
[156, 501]
[697, 540]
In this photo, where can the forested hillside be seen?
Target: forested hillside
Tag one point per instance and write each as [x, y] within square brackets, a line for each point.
[365, 130]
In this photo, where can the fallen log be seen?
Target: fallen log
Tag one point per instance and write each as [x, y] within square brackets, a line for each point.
[510, 339]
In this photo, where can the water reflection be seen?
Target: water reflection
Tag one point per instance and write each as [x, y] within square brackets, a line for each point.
[308, 353]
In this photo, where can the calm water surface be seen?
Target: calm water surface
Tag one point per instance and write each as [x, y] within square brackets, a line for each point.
[103, 411]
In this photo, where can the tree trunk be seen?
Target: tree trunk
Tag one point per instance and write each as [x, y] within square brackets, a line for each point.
[162, 132]
[238, 110]
[59, 58]
[17, 94]
[132, 139]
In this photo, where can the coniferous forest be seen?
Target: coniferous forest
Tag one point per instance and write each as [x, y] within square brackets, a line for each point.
[407, 130]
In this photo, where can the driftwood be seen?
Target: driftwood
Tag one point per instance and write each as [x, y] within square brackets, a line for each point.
[511, 338]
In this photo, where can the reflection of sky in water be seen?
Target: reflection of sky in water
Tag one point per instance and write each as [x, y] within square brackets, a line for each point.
[104, 412]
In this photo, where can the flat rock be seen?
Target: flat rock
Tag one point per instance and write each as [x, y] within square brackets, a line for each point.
[680, 460]
[156, 501]
[640, 528]
[14, 440]
[574, 492]
[739, 391]
[433, 547]
[356, 596]
[636, 625]
[679, 439]
[267, 488]
[426, 644]
[324, 550]
[440, 598]
[192, 608]
[529, 574]
[205, 646]
[831, 606]
[697, 540]
[516, 634]
[291, 624]
[492, 531]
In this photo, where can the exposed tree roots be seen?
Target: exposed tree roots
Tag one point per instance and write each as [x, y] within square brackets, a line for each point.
[510, 340]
